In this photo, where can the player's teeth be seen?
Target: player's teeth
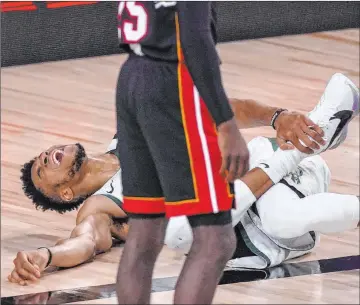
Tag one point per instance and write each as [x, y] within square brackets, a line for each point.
[54, 157]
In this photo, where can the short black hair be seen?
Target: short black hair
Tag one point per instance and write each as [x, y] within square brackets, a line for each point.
[42, 201]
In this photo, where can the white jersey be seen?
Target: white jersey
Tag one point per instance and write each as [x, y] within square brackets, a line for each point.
[312, 176]
[113, 187]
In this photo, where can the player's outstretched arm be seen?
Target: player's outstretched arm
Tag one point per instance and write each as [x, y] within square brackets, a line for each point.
[291, 126]
[91, 236]
[250, 113]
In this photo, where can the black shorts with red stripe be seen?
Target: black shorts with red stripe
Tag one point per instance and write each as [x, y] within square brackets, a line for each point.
[168, 145]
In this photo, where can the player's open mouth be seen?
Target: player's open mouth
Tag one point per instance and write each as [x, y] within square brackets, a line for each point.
[57, 156]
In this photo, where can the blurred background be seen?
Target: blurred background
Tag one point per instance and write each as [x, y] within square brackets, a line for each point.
[42, 31]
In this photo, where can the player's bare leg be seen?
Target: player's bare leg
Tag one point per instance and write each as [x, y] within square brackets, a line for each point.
[212, 247]
[143, 245]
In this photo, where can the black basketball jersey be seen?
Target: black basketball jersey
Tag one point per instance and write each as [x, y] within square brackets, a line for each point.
[166, 30]
[149, 28]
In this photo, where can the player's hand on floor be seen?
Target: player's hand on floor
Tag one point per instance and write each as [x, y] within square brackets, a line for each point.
[293, 127]
[28, 266]
[234, 151]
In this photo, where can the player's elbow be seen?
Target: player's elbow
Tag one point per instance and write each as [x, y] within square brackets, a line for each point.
[89, 246]
[89, 240]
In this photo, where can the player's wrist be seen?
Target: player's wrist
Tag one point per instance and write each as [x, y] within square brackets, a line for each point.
[228, 126]
[276, 118]
[46, 254]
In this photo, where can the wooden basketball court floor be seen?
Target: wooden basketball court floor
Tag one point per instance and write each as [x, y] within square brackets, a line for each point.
[69, 101]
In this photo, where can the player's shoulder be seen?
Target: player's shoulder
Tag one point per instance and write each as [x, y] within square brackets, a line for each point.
[98, 204]
[89, 207]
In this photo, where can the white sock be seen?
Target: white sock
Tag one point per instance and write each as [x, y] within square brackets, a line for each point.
[244, 198]
[281, 163]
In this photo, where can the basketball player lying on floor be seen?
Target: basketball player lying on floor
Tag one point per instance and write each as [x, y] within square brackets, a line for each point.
[281, 203]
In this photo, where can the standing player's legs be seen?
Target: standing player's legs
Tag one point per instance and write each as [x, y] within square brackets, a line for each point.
[183, 142]
[213, 245]
[143, 197]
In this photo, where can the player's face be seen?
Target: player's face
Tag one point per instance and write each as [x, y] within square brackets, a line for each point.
[57, 167]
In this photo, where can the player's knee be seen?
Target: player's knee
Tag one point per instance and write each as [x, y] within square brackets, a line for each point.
[214, 236]
[146, 250]
[148, 235]
[217, 246]
[227, 246]
[280, 227]
[275, 231]
[275, 225]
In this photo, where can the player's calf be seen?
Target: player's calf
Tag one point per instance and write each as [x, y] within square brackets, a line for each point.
[213, 245]
[143, 245]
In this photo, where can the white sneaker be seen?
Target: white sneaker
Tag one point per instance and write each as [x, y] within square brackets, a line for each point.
[344, 132]
[338, 105]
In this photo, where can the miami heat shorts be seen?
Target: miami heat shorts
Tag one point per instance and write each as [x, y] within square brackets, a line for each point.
[168, 146]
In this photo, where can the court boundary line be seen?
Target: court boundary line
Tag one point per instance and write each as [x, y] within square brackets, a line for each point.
[231, 276]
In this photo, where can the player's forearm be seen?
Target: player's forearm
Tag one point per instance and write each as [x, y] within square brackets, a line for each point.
[257, 181]
[72, 252]
[247, 190]
[201, 58]
[250, 113]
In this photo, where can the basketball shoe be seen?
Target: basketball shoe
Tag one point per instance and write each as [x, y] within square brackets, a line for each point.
[338, 105]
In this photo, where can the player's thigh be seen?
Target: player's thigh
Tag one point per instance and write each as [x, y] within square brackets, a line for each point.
[314, 176]
[141, 186]
[182, 139]
[276, 206]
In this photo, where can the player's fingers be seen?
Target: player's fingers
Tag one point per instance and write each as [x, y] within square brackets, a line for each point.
[313, 134]
[243, 165]
[287, 146]
[37, 268]
[283, 144]
[25, 274]
[224, 166]
[16, 278]
[31, 269]
[233, 169]
[243, 168]
[315, 127]
[305, 139]
[295, 141]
